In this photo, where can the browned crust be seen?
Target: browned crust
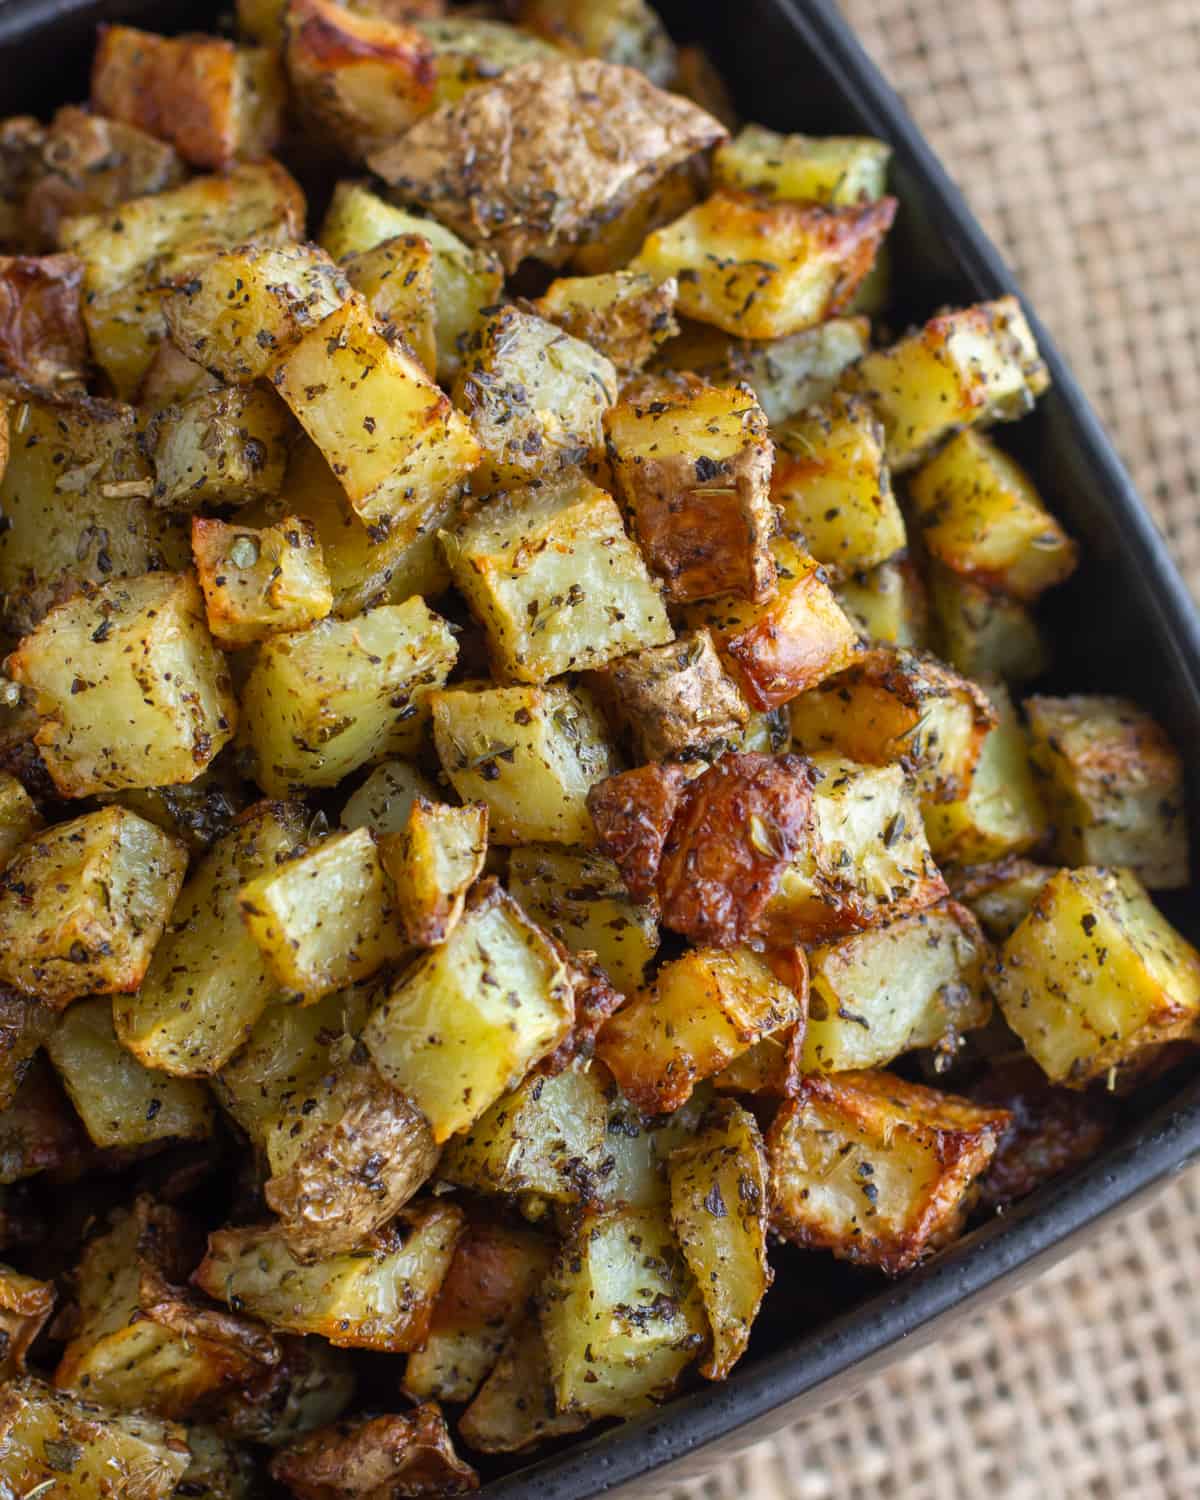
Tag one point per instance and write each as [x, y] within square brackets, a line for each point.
[380, 1458]
[42, 337]
[633, 813]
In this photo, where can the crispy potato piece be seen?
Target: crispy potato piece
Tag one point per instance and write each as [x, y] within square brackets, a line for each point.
[695, 473]
[894, 706]
[465, 280]
[38, 1129]
[358, 78]
[764, 270]
[703, 1010]
[1001, 894]
[971, 367]
[120, 1101]
[385, 800]
[192, 1015]
[832, 488]
[788, 644]
[469, 1019]
[818, 169]
[624, 315]
[531, 754]
[42, 337]
[25, 1304]
[389, 434]
[398, 277]
[321, 703]
[555, 581]
[875, 1169]
[213, 101]
[890, 605]
[76, 498]
[432, 865]
[917, 982]
[1095, 977]
[982, 634]
[376, 1458]
[24, 1026]
[470, 49]
[632, 813]
[381, 1296]
[129, 685]
[494, 1275]
[1002, 814]
[621, 1315]
[619, 31]
[222, 447]
[1114, 784]
[19, 817]
[53, 1443]
[84, 903]
[311, 1385]
[260, 582]
[515, 1408]
[982, 517]
[719, 1206]
[527, 165]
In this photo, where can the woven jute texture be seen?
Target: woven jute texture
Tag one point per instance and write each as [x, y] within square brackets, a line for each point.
[1074, 128]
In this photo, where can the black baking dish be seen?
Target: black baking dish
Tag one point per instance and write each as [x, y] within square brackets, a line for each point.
[1126, 623]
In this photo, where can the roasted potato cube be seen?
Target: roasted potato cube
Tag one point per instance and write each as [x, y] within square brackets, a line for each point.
[621, 1315]
[247, 306]
[869, 860]
[260, 582]
[469, 1019]
[83, 904]
[120, 1101]
[982, 634]
[531, 754]
[818, 169]
[703, 1010]
[311, 1385]
[432, 865]
[25, 1304]
[213, 101]
[619, 31]
[389, 434]
[19, 817]
[982, 517]
[492, 1279]
[1113, 782]
[1002, 894]
[131, 689]
[894, 706]
[1002, 813]
[376, 1457]
[555, 581]
[918, 982]
[832, 488]
[535, 396]
[967, 368]
[579, 897]
[470, 49]
[764, 270]
[1095, 977]
[399, 280]
[380, 1296]
[719, 1207]
[788, 644]
[24, 1026]
[624, 315]
[465, 280]
[42, 337]
[325, 919]
[223, 447]
[528, 164]
[515, 1408]
[890, 605]
[386, 798]
[53, 1443]
[192, 1015]
[38, 1129]
[358, 78]
[322, 703]
[877, 1170]
[787, 375]
[75, 495]
[142, 1342]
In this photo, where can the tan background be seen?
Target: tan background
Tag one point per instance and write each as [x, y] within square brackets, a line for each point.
[1074, 128]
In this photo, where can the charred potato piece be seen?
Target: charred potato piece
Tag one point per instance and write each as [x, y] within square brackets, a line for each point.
[1095, 977]
[84, 903]
[223, 447]
[555, 581]
[1113, 782]
[25, 1304]
[1002, 894]
[385, 800]
[982, 634]
[619, 31]
[42, 337]
[763, 270]
[890, 605]
[624, 315]
[398, 277]
[837, 169]
[695, 475]
[432, 865]
[877, 1170]
[374, 1458]
[515, 1408]
[259, 582]
[214, 102]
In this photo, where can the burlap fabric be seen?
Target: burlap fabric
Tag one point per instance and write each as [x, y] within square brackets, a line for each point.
[1074, 128]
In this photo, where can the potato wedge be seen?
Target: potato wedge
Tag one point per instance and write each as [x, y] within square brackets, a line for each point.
[632, 814]
[25, 1304]
[432, 864]
[376, 1457]
[1001, 894]
[312, 1384]
[470, 48]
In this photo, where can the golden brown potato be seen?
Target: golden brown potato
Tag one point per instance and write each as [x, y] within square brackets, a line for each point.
[619, 31]
[817, 169]
[525, 166]
[42, 337]
[632, 813]
[765, 270]
[890, 605]
[221, 447]
[515, 1408]
[212, 101]
[259, 582]
[613, 243]
[398, 277]
[624, 315]
[376, 1458]
[1114, 786]
[877, 1170]
[770, 1068]
[432, 865]
[695, 474]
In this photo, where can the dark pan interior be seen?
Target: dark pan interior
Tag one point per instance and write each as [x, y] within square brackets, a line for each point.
[1125, 623]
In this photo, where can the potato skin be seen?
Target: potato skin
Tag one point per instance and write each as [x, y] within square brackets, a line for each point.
[376, 1459]
[42, 337]
[633, 813]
